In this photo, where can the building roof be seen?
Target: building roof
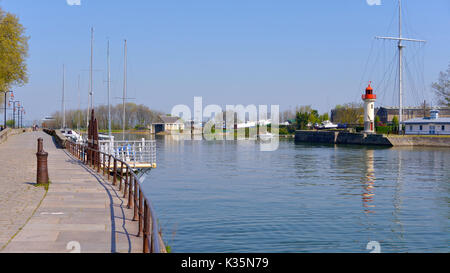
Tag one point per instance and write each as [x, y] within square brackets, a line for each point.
[413, 108]
[169, 120]
[428, 121]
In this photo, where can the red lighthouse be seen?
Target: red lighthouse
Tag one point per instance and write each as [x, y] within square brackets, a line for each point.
[369, 99]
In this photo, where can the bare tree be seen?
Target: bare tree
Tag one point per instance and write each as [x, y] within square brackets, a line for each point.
[442, 88]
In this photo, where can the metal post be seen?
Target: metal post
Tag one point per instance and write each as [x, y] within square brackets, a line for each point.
[146, 228]
[104, 165]
[14, 115]
[126, 183]
[5, 110]
[109, 167]
[115, 172]
[130, 191]
[140, 213]
[18, 117]
[97, 158]
[135, 216]
[42, 168]
[121, 176]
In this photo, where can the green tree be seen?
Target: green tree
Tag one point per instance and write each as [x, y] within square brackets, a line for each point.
[350, 113]
[10, 123]
[442, 88]
[302, 120]
[377, 120]
[395, 121]
[324, 117]
[13, 52]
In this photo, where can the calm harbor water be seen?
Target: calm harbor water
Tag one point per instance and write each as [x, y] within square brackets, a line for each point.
[230, 197]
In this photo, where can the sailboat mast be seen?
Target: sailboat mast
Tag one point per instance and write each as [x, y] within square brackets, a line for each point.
[124, 89]
[90, 97]
[63, 106]
[79, 105]
[400, 41]
[109, 93]
[400, 67]
[91, 69]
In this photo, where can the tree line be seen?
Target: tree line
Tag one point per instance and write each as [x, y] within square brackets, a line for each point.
[136, 117]
[13, 53]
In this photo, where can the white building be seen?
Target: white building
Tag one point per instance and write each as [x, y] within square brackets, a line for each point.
[168, 125]
[428, 126]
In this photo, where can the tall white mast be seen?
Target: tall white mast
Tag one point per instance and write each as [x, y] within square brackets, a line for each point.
[91, 92]
[63, 105]
[109, 93]
[400, 40]
[79, 105]
[124, 88]
[400, 68]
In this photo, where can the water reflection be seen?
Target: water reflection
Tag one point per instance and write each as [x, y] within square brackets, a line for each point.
[369, 182]
[226, 196]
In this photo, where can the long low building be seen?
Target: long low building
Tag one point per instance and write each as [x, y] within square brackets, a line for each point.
[387, 114]
[434, 125]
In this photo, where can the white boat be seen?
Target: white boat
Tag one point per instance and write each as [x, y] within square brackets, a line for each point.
[72, 134]
[329, 125]
[104, 137]
[266, 136]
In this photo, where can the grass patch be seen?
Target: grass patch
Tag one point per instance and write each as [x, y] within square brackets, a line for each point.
[45, 186]
[168, 249]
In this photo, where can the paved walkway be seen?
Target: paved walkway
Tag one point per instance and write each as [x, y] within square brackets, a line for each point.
[18, 197]
[80, 208]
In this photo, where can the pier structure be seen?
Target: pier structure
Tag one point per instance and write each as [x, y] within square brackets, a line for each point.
[84, 208]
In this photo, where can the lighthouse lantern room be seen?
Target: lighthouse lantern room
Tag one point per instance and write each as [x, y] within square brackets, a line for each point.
[369, 110]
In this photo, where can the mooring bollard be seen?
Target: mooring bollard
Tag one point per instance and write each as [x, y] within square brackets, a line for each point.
[42, 169]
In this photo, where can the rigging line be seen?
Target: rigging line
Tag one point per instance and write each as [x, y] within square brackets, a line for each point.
[421, 68]
[411, 83]
[407, 21]
[416, 68]
[423, 71]
[382, 84]
[388, 71]
[374, 65]
[419, 99]
[394, 16]
[361, 82]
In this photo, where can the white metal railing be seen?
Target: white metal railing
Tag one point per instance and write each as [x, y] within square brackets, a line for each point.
[133, 152]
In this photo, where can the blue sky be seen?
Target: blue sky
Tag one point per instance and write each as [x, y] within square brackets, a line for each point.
[286, 52]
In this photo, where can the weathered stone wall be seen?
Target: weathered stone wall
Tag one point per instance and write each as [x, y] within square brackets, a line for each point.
[8, 132]
[336, 137]
[424, 141]
[59, 139]
[316, 136]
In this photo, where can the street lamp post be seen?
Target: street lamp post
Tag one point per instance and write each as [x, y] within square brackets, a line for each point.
[23, 113]
[14, 111]
[6, 93]
[19, 116]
